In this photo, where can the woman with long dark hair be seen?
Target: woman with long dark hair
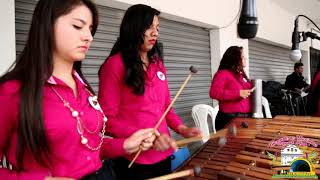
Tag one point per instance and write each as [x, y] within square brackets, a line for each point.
[51, 123]
[231, 87]
[134, 93]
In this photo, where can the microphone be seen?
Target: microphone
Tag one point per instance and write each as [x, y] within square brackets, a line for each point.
[312, 35]
[248, 21]
[295, 54]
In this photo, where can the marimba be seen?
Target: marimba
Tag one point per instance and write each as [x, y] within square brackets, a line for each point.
[248, 155]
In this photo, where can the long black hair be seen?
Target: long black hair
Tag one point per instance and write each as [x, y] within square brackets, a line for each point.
[137, 19]
[232, 60]
[33, 68]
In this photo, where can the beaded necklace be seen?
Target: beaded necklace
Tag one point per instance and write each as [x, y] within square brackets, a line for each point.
[80, 127]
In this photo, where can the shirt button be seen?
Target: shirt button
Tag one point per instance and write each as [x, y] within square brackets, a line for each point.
[88, 158]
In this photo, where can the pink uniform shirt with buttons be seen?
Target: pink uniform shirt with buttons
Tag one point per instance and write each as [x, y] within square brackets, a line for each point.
[225, 87]
[128, 112]
[69, 157]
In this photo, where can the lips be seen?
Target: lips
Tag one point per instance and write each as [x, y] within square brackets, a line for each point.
[153, 41]
[84, 47]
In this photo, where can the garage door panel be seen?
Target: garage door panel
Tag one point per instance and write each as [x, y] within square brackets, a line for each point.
[269, 62]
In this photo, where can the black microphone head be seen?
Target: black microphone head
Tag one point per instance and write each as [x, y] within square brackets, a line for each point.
[248, 21]
[295, 39]
[312, 35]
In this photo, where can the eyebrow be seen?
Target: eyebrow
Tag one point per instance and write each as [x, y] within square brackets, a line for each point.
[157, 25]
[77, 19]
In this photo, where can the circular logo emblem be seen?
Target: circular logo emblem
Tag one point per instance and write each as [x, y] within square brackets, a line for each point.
[244, 79]
[161, 76]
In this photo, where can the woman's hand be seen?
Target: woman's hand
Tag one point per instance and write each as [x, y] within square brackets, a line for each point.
[140, 139]
[164, 142]
[189, 132]
[244, 93]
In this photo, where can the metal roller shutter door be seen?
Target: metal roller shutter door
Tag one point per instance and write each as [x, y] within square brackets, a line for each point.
[269, 62]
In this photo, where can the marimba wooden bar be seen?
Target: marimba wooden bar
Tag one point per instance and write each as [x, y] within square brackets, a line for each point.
[247, 155]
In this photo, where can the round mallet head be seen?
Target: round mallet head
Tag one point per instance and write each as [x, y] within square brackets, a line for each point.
[197, 170]
[244, 124]
[193, 69]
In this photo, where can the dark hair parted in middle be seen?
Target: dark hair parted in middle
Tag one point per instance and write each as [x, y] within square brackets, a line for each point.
[137, 19]
[232, 60]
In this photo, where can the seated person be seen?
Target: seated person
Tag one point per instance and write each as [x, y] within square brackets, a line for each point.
[295, 81]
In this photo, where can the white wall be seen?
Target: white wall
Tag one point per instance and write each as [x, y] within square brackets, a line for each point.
[206, 11]
[7, 35]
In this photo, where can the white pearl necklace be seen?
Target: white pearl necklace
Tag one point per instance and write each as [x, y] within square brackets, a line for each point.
[80, 128]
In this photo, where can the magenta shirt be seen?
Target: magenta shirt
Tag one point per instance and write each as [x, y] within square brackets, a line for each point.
[225, 88]
[128, 112]
[69, 157]
[314, 83]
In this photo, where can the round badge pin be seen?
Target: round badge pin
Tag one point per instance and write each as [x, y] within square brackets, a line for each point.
[161, 76]
[93, 100]
[245, 80]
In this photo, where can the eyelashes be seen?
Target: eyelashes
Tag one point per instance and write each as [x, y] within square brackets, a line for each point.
[77, 27]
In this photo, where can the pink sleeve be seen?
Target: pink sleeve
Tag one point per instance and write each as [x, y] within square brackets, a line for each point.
[24, 175]
[172, 118]
[218, 88]
[112, 148]
[8, 119]
[315, 81]
[110, 82]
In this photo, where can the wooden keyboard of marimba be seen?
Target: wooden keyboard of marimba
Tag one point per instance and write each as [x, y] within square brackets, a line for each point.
[248, 155]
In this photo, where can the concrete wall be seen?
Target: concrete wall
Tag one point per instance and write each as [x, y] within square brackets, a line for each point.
[7, 35]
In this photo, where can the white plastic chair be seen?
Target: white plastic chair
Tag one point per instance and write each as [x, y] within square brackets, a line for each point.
[265, 104]
[200, 114]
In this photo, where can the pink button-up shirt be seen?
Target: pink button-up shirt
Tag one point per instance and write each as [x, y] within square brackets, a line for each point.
[69, 157]
[314, 84]
[128, 112]
[226, 88]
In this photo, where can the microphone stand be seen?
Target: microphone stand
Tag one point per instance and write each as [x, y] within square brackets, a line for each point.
[300, 36]
[313, 29]
[309, 34]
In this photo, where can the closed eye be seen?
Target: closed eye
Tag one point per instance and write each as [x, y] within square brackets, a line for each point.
[77, 27]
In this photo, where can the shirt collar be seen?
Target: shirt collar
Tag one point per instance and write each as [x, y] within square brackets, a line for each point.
[53, 80]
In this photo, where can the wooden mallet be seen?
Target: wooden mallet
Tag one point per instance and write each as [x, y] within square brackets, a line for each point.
[232, 130]
[193, 70]
[189, 172]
